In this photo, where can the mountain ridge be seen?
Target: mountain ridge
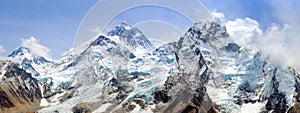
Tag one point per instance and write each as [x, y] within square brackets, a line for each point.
[204, 71]
[30, 61]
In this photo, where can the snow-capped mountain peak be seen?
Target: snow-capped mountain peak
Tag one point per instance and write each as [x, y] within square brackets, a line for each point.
[130, 36]
[30, 61]
[19, 51]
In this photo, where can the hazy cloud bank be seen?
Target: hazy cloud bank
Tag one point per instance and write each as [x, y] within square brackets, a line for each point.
[280, 42]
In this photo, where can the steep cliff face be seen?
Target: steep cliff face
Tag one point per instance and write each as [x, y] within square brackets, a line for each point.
[19, 91]
[242, 78]
[296, 107]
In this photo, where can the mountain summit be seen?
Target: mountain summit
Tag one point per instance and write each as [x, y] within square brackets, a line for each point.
[30, 61]
[131, 37]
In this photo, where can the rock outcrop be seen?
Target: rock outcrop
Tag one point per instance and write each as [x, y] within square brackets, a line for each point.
[19, 91]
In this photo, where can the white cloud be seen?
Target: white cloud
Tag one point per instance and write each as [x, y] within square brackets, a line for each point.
[33, 44]
[244, 31]
[286, 37]
[273, 43]
[280, 42]
[2, 49]
[219, 15]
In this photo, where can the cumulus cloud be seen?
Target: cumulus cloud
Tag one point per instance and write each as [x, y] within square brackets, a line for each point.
[280, 42]
[274, 43]
[2, 49]
[33, 44]
[244, 31]
[288, 34]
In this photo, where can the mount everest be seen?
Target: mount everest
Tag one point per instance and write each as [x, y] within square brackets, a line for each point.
[204, 71]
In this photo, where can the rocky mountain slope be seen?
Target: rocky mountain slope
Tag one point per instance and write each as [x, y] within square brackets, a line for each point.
[19, 91]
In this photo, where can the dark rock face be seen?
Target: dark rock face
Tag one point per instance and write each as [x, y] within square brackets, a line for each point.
[276, 101]
[161, 96]
[232, 47]
[19, 91]
[5, 101]
[200, 105]
[119, 88]
[81, 108]
[296, 107]
[102, 40]
[297, 84]
[244, 93]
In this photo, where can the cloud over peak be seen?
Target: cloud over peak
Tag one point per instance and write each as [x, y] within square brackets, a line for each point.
[279, 42]
[33, 44]
[244, 31]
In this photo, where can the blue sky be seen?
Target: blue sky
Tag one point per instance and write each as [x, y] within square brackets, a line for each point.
[54, 22]
[260, 10]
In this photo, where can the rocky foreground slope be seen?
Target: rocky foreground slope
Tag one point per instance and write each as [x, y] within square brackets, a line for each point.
[19, 91]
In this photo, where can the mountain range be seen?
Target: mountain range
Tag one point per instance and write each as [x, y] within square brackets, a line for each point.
[205, 71]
